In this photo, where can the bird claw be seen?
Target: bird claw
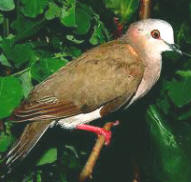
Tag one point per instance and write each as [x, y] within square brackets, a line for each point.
[115, 123]
[107, 135]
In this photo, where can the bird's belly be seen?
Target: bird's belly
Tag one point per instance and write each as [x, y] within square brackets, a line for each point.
[72, 122]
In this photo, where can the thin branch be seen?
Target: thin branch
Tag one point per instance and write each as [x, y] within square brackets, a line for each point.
[145, 9]
[136, 175]
[88, 168]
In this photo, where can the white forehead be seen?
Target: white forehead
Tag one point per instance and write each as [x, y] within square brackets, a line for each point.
[165, 29]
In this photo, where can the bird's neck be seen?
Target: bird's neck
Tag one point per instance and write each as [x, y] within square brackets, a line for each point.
[152, 71]
[152, 60]
[151, 54]
[151, 75]
[153, 64]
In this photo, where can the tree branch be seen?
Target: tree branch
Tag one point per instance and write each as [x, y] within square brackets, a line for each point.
[145, 9]
[88, 168]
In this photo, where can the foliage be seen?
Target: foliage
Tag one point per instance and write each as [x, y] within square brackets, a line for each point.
[37, 37]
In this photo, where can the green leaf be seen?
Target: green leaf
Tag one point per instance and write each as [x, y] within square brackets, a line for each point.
[70, 158]
[48, 157]
[162, 101]
[185, 115]
[98, 36]
[25, 27]
[73, 39]
[63, 177]
[14, 52]
[45, 67]
[10, 95]
[123, 8]
[68, 14]
[183, 34]
[94, 39]
[168, 155]
[70, 51]
[53, 11]
[38, 177]
[159, 128]
[7, 5]
[179, 90]
[30, 180]
[163, 104]
[4, 61]
[33, 8]
[26, 82]
[184, 73]
[8, 126]
[5, 142]
[83, 19]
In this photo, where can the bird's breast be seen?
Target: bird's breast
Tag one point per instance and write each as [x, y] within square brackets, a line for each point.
[150, 77]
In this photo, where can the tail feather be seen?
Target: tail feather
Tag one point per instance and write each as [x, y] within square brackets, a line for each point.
[30, 136]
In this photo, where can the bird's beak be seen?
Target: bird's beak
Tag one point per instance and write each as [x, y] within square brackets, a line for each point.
[175, 48]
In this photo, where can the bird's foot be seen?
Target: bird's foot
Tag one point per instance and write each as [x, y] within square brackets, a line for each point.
[99, 131]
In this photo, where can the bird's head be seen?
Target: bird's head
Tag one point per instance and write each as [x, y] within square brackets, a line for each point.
[152, 36]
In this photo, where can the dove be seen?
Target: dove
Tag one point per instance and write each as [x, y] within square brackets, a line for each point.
[104, 79]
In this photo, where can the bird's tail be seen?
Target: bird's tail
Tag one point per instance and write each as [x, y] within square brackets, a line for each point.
[30, 136]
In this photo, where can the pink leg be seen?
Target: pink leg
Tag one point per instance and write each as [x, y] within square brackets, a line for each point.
[98, 131]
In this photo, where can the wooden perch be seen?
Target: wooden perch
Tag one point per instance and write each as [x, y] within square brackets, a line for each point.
[88, 168]
[145, 9]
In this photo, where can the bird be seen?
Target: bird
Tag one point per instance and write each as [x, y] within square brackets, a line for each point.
[104, 79]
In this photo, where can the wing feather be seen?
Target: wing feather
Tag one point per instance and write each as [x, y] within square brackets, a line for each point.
[44, 111]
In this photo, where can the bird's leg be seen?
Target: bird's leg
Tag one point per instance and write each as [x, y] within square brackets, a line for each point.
[98, 130]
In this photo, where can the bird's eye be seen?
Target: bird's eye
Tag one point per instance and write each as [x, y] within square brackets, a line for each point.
[155, 34]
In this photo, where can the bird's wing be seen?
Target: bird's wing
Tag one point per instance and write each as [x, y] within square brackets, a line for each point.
[100, 76]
